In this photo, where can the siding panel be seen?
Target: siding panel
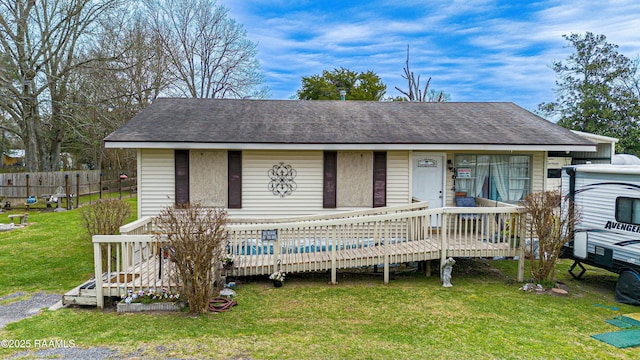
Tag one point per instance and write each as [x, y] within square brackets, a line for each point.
[259, 201]
[398, 178]
[156, 183]
[538, 175]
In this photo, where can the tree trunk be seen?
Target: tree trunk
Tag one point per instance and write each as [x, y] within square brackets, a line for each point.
[30, 132]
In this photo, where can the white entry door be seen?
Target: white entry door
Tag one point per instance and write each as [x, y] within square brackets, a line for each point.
[428, 177]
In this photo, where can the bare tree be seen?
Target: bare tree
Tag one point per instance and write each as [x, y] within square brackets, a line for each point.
[40, 40]
[414, 92]
[106, 94]
[209, 53]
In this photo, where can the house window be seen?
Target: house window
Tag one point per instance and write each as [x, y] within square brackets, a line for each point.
[182, 176]
[330, 166]
[628, 210]
[234, 180]
[379, 179]
[497, 177]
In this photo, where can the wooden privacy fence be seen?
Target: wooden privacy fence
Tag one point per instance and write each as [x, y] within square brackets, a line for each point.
[17, 187]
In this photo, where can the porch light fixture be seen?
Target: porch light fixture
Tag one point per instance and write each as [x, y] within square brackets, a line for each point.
[449, 165]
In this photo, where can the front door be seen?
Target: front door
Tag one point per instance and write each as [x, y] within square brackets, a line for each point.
[428, 177]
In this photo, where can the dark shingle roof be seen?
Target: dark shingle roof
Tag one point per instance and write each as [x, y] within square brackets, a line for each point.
[340, 122]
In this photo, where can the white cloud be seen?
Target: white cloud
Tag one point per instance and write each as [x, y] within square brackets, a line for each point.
[475, 50]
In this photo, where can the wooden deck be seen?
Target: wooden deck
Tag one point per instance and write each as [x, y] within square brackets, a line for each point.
[158, 272]
[310, 244]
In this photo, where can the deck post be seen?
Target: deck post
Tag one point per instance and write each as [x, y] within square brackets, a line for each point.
[424, 231]
[444, 230]
[386, 252]
[277, 250]
[97, 261]
[333, 241]
[521, 251]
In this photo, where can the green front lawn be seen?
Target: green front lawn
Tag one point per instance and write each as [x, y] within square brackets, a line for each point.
[53, 253]
[483, 316]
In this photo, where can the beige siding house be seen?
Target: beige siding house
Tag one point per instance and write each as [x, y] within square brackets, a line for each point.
[272, 158]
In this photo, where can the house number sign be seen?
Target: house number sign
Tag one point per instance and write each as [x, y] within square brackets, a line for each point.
[427, 163]
[282, 183]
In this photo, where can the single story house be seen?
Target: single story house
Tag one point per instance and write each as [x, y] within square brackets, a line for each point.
[278, 158]
[12, 157]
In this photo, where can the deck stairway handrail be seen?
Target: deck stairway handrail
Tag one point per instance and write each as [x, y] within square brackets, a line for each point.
[317, 244]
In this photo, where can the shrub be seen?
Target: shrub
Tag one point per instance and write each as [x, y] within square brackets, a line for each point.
[197, 237]
[552, 220]
[105, 217]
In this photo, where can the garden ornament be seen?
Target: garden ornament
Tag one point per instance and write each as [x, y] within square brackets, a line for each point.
[446, 272]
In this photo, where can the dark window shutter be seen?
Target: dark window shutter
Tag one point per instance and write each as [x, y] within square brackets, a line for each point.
[235, 179]
[182, 176]
[329, 179]
[379, 179]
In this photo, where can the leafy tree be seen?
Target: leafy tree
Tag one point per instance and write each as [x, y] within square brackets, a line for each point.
[357, 86]
[593, 92]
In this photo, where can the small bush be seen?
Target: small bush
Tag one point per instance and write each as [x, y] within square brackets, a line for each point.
[197, 237]
[552, 220]
[105, 217]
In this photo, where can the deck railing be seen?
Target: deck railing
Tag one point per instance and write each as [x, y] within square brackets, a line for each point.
[138, 261]
[131, 262]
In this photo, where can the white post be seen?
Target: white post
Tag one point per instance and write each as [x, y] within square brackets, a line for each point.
[443, 249]
[333, 242]
[386, 251]
[521, 235]
[97, 263]
[276, 252]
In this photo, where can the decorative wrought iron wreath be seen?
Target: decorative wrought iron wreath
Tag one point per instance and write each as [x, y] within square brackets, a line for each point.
[282, 183]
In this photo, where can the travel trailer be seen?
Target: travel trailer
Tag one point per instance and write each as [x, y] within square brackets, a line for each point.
[608, 233]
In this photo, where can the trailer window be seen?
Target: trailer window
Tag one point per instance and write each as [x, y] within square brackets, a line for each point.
[628, 210]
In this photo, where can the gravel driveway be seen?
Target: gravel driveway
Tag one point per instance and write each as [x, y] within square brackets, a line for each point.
[19, 310]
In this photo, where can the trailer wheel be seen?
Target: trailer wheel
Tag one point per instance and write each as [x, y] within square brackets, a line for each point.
[628, 287]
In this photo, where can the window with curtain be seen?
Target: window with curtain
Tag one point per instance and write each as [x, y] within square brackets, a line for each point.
[504, 178]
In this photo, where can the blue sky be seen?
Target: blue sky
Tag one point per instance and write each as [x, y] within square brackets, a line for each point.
[475, 50]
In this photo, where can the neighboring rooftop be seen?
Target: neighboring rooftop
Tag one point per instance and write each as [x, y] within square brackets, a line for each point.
[181, 120]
